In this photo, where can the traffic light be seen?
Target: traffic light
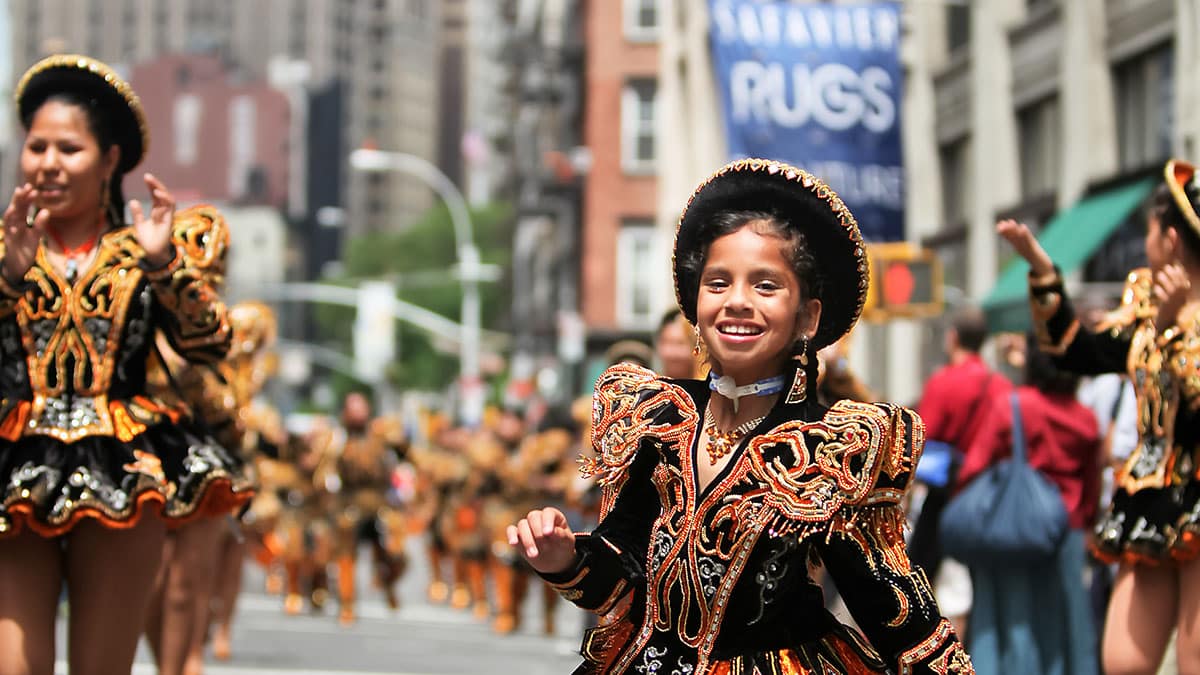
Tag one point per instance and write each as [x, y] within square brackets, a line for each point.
[906, 282]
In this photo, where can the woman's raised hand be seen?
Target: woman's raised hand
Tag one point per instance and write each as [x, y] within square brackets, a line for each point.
[154, 233]
[1171, 291]
[21, 236]
[545, 540]
[1027, 246]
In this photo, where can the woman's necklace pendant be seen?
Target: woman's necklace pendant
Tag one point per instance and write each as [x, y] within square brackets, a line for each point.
[72, 269]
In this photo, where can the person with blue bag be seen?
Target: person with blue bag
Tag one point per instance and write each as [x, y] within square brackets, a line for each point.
[1152, 526]
[1030, 486]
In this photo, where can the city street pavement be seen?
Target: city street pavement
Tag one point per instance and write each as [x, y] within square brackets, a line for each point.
[418, 639]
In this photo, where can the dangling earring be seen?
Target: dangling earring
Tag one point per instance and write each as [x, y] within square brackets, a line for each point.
[799, 390]
[697, 348]
[106, 210]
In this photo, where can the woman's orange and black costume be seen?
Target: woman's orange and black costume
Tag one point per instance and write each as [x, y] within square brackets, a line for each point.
[79, 435]
[716, 581]
[1154, 516]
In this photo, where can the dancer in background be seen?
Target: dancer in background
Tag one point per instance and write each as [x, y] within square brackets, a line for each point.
[178, 618]
[1152, 526]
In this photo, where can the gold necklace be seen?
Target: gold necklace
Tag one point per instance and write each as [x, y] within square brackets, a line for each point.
[721, 443]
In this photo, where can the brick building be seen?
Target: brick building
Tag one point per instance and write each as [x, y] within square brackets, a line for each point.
[622, 253]
[214, 137]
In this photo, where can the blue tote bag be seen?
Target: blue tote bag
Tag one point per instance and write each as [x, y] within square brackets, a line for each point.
[1008, 515]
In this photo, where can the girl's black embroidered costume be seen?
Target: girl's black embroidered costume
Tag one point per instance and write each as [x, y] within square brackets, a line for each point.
[718, 581]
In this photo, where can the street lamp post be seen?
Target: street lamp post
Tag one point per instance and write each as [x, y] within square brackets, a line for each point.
[469, 269]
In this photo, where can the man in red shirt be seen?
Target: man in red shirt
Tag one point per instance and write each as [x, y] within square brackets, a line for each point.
[953, 406]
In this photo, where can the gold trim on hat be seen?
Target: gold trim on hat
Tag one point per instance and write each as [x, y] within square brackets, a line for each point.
[101, 70]
[814, 185]
[1172, 172]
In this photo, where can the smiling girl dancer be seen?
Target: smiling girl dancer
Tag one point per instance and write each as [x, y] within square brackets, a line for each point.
[719, 494]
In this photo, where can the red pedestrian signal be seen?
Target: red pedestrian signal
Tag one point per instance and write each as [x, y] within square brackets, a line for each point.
[906, 282]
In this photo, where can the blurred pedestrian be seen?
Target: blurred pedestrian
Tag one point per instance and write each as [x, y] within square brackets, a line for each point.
[93, 469]
[1036, 618]
[717, 494]
[1152, 526]
[673, 347]
[953, 404]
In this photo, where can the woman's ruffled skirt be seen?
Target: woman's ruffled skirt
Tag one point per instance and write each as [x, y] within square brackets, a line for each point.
[49, 486]
[1152, 526]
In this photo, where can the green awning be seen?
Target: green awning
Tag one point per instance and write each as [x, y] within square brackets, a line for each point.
[1071, 237]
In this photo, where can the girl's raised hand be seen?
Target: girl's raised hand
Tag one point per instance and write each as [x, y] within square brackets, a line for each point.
[154, 233]
[545, 540]
[21, 235]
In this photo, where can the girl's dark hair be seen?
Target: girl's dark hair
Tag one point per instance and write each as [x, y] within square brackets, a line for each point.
[1042, 374]
[1162, 206]
[100, 124]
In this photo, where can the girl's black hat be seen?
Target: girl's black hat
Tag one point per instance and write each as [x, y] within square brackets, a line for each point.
[805, 202]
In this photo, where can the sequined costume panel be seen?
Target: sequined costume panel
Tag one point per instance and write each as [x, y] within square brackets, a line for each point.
[1154, 516]
[81, 436]
[717, 580]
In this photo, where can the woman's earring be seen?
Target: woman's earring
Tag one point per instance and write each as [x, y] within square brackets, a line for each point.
[798, 392]
[697, 348]
[108, 210]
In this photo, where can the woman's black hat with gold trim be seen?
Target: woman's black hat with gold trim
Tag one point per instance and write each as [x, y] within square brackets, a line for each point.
[88, 77]
[805, 202]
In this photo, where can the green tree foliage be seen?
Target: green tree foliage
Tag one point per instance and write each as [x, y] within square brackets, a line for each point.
[421, 260]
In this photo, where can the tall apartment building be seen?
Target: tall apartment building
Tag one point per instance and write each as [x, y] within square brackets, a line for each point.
[487, 99]
[382, 51]
[1012, 108]
[623, 256]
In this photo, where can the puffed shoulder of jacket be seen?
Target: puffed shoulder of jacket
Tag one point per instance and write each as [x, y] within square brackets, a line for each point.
[631, 402]
[201, 235]
[856, 455]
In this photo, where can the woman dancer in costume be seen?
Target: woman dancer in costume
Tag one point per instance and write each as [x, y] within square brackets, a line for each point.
[178, 617]
[718, 494]
[260, 437]
[92, 470]
[1152, 526]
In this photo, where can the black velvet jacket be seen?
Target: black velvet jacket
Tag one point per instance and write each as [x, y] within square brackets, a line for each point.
[718, 581]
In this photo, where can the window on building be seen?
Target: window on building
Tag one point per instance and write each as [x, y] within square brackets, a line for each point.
[641, 20]
[635, 269]
[1145, 96]
[1038, 133]
[955, 160]
[186, 126]
[639, 112]
[958, 26]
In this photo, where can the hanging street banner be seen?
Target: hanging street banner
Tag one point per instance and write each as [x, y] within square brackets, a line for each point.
[818, 86]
